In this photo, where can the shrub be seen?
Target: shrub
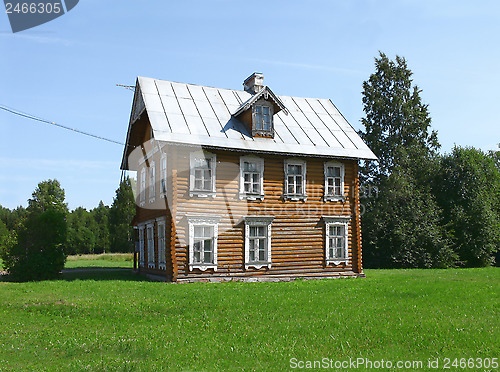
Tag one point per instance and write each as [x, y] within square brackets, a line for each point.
[37, 253]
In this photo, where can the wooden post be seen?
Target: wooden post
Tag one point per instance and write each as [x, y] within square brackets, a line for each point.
[357, 221]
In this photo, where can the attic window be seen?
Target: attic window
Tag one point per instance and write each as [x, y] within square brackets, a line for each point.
[262, 119]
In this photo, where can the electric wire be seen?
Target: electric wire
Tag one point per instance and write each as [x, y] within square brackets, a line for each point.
[32, 117]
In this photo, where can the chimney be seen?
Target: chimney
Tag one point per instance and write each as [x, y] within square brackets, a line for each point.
[254, 83]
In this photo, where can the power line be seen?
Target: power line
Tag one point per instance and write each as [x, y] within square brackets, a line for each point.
[32, 117]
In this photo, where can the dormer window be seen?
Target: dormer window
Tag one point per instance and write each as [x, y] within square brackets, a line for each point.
[262, 119]
[258, 110]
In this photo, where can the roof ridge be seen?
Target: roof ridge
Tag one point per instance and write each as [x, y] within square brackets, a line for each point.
[230, 89]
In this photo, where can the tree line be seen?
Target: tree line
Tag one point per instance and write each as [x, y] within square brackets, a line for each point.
[34, 241]
[430, 210]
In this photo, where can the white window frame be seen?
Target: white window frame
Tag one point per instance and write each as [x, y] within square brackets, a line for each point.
[213, 159]
[141, 245]
[142, 187]
[163, 175]
[162, 243]
[152, 181]
[260, 164]
[336, 221]
[333, 197]
[253, 221]
[295, 196]
[203, 221]
[150, 242]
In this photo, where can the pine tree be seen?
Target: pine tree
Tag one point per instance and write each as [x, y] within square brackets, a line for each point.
[120, 215]
[397, 123]
[402, 225]
[81, 232]
[100, 215]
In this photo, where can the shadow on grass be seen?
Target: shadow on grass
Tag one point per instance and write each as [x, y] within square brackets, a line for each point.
[102, 273]
[96, 274]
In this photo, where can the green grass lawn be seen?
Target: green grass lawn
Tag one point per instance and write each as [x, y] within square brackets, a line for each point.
[100, 260]
[119, 321]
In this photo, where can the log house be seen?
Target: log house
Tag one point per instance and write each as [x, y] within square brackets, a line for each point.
[243, 185]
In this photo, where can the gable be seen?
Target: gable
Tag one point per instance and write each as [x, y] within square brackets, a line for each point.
[265, 94]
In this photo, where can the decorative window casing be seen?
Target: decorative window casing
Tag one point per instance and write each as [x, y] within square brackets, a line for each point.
[150, 240]
[258, 241]
[152, 181]
[251, 178]
[162, 258]
[142, 187]
[141, 246]
[337, 239]
[202, 174]
[334, 181]
[163, 175]
[262, 118]
[203, 232]
[295, 180]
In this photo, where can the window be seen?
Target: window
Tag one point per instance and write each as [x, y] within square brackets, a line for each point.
[162, 259]
[151, 244]
[263, 118]
[295, 180]
[251, 178]
[152, 180]
[202, 177]
[141, 246]
[334, 181]
[142, 189]
[163, 175]
[336, 240]
[203, 233]
[258, 241]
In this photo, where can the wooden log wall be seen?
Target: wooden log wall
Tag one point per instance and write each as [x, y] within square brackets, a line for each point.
[298, 232]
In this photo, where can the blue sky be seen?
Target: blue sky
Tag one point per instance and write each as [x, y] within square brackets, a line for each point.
[66, 71]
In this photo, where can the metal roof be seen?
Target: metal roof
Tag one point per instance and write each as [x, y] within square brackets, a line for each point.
[198, 115]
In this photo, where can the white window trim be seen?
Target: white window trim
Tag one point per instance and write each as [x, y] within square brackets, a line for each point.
[251, 196]
[205, 221]
[328, 197]
[152, 181]
[258, 221]
[202, 193]
[141, 245]
[142, 187]
[151, 247]
[163, 175]
[336, 221]
[162, 261]
[295, 197]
